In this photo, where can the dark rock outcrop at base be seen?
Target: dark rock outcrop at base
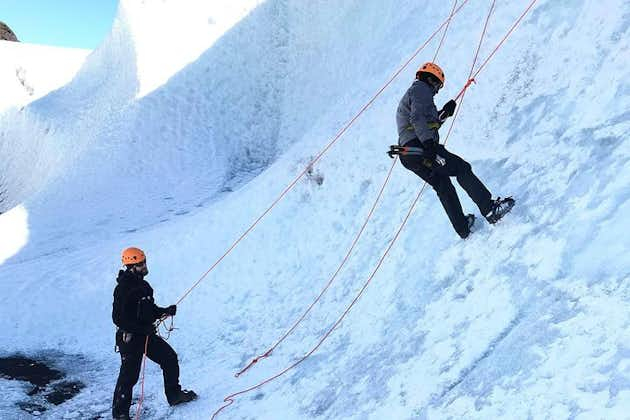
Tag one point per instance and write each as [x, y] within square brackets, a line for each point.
[6, 34]
[48, 386]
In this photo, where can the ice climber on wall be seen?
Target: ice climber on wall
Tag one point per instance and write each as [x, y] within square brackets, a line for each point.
[419, 149]
[135, 313]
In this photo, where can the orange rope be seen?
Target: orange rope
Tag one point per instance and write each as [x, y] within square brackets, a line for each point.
[229, 400]
[505, 37]
[319, 156]
[445, 31]
[144, 362]
[269, 351]
[169, 329]
[472, 78]
[343, 262]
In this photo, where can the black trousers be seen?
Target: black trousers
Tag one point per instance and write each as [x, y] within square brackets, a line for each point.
[131, 354]
[439, 179]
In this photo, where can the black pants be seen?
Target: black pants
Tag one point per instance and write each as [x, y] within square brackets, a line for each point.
[439, 179]
[131, 353]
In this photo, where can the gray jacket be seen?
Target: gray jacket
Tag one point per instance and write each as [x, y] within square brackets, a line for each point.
[417, 116]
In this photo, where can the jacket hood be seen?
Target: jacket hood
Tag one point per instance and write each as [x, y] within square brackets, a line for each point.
[126, 277]
[426, 85]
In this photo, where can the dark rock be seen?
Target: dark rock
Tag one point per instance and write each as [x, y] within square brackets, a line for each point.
[6, 34]
[63, 391]
[48, 385]
[25, 369]
[34, 391]
[32, 408]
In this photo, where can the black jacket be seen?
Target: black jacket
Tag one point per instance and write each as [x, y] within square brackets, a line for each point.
[134, 310]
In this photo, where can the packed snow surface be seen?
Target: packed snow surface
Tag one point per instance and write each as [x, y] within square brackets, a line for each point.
[191, 118]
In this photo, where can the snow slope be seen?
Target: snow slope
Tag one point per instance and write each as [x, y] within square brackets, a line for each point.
[527, 319]
[28, 72]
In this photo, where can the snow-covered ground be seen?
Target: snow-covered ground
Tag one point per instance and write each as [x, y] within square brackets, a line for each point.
[192, 117]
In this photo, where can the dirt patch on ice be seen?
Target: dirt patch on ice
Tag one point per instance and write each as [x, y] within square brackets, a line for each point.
[47, 385]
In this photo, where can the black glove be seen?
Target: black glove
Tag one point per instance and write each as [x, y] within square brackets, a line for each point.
[430, 147]
[430, 157]
[447, 110]
[171, 310]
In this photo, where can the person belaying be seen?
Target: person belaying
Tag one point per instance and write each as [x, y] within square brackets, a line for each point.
[134, 313]
[418, 122]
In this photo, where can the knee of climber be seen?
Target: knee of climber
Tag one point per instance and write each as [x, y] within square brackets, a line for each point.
[170, 360]
[442, 185]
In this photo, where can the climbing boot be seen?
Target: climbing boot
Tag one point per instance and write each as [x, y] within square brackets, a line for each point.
[499, 208]
[470, 220]
[182, 396]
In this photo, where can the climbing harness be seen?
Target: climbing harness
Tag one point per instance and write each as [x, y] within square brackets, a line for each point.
[437, 161]
[395, 150]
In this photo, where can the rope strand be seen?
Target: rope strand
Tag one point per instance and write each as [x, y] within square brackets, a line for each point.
[473, 77]
[168, 329]
[144, 363]
[229, 400]
[269, 351]
[445, 31]
[320, 155]
[330, 281]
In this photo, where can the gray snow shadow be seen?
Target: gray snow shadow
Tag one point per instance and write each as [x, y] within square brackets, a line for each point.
[225, 132]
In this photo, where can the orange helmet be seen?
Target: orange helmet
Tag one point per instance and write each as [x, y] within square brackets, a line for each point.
[133, 256]
[432, 69]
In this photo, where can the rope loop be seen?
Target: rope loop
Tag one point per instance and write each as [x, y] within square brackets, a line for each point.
[253, 362]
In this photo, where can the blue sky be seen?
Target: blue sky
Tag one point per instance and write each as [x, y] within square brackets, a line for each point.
[65, 23]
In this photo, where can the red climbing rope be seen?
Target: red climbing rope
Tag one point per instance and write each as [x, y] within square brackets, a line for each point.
[144, 362]
[471, 79]
[505, 37]
[268, 353]
[319, 156]
[450, 17]
[454, 11]
[229, 400]
[168, 329]
[330, 281]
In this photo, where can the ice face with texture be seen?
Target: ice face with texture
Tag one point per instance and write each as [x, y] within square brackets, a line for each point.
[190, 119]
